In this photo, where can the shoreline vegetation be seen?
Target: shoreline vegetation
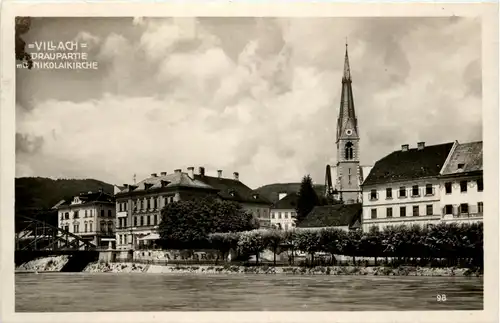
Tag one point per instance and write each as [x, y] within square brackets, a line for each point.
[54, 264]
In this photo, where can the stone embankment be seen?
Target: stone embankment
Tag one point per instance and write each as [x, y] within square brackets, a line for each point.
[55, 263]
[227, 269]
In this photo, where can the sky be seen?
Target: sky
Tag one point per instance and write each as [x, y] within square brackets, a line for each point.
[259, 96]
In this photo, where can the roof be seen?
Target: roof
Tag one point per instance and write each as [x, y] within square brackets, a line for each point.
[232, 190]
[467, 155]
[409, 165]
[288, 202]
[178, 179]
[333, 215]
[272, 191]
[87, 198]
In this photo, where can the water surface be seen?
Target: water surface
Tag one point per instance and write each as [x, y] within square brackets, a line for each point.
[85, 292]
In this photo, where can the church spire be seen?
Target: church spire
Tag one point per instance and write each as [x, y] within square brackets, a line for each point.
[347, 116]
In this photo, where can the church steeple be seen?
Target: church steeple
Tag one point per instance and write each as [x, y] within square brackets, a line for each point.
[347, 122]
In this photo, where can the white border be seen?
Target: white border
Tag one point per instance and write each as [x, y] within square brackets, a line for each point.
[489, 14]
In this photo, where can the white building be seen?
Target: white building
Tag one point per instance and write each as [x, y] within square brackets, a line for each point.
[283, 211]
[462, 184]
[403, 187]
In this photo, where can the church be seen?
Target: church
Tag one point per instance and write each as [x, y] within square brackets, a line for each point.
[343, 180]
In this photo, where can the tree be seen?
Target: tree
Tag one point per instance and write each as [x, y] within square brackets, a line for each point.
[252, 242]
[308, 241]
[307, 199]
[23, 25]
[187, 224]
[273, 239]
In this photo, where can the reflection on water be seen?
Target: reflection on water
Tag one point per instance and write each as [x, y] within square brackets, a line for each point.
[85, 292]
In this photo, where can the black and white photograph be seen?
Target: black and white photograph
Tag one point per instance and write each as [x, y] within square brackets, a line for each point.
[252, 163]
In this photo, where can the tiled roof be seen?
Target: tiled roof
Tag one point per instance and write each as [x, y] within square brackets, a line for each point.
[333, 215]
[170, 180]
[288, 202]
[232, 190]
[90, 197]
[468, 155]
[408, 165]
[272, 191]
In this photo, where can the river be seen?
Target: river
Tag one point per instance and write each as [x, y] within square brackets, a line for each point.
[86, 292]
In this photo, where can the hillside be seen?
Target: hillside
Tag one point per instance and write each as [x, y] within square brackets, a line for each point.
[44, 193]
[271, 191]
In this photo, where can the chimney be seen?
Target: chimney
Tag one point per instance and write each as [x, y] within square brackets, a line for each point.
[201, 171]
[405, 147]
[178, 171]
[236, 176]
[281, 195]
[421, 145]
[219, 173]
[191, 172]
[163, 173]
[154, 175]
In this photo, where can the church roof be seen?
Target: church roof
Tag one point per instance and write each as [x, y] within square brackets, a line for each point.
[409, 165]
[333, 215]
[347, 115]
[465, 158]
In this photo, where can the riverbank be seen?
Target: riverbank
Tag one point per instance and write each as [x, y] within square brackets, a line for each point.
[47, 264]
[98, 267]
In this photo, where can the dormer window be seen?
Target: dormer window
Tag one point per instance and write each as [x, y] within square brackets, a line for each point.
[255, 196]
[461, 166]
[231, 192]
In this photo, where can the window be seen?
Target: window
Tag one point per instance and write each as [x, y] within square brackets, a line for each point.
[279, 215]
[349, 171]
[120, 239]
[90, 212]
[388, 193]
[102, 213]
[402, 191]
[416, 210]
[155, 203]
[286, 226]
[119, 207]
[389, 212]
[155, 219]
[402, 211]
[479, 207]
[464, 208]
[76, 215]
[415, 191]
[148, 220]
[124, 222]
[373, 195]
[142, 204]
[447, 187]
[348, 151]
[75, 228]
[480, 185]
[272, 215]
[286, 215]
[349, 178]
[428, 189]
[119, 222]
[109, 213]
[103, 226]
[85, 214]
[374, 213]
[90, 226]
[460, 166]
[429, 210]
[135, 221]
[448, 209]
[463, 186]
[66, 215]
[86, 227]
[148, 202]
[66, 227]
[142, 221]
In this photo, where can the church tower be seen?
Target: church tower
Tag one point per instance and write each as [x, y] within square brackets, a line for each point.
[344, 179]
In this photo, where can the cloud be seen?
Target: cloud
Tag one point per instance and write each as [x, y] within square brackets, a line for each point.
[258, 96]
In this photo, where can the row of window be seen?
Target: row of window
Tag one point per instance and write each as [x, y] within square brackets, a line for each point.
[429, 210]
[145, 220]
[122, 239]
[88, 227]
[263, 214]
[463, 186]
[286, 215]
[76, 214]
[150, 203]
[415, 191]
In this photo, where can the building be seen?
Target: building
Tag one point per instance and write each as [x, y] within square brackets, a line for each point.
[344, 179]
[342, 216]
[283, 211]
[232, 189]
[403, 187]
[138, 206]
[91, 216]
[461, 186]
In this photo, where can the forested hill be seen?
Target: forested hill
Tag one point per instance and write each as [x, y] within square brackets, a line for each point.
[43, 193]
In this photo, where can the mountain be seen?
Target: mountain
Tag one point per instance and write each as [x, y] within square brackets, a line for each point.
[43, 193]
[271, 191]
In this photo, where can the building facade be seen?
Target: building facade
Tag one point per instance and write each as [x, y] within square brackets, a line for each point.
[232, 189]
[461, 184]
[138, 206]
[283, 212]
[403, 187]
[91, 216]
[344, 179]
